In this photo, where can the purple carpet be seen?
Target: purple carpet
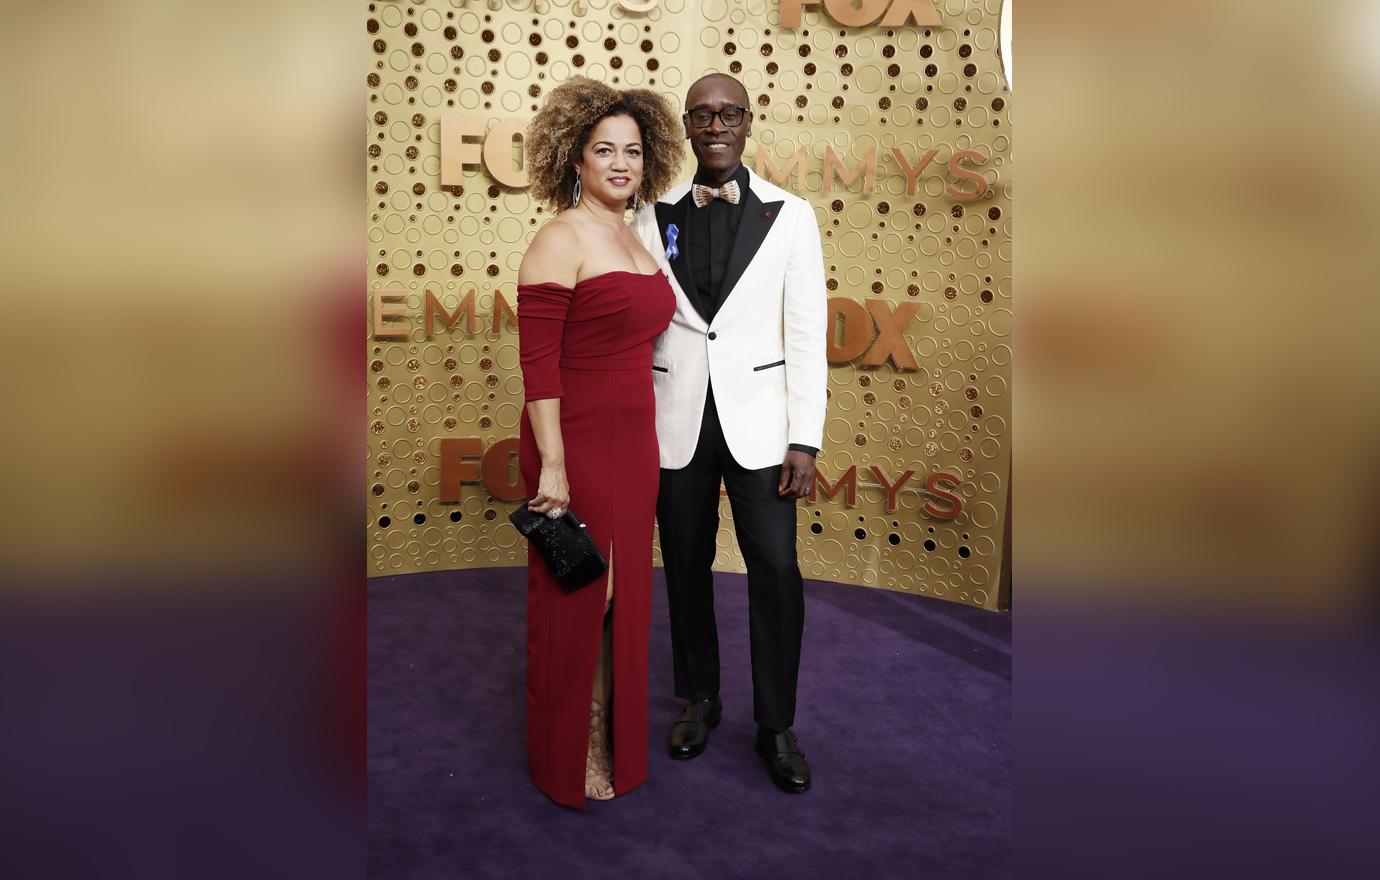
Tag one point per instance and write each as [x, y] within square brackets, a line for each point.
[904, 714]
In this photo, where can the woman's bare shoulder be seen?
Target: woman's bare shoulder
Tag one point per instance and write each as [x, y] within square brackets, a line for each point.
[554, 254]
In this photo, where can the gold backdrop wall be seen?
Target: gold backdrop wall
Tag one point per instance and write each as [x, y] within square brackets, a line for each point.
[914, 469]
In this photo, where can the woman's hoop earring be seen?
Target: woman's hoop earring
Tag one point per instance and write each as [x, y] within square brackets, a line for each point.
[637, 202]
[576, 199]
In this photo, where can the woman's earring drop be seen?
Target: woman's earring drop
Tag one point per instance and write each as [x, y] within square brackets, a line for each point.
[576, 199]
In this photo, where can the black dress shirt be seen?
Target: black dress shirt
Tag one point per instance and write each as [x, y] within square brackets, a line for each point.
[713, 230]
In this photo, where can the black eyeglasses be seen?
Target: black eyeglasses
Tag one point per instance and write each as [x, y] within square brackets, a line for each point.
[732, 116]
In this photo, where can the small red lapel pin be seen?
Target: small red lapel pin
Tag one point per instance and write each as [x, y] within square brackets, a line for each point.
[766, 213]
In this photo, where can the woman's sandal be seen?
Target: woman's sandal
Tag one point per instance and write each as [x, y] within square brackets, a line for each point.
[598, 784]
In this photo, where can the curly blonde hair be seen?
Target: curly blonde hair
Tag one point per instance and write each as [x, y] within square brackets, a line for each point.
[557, 135]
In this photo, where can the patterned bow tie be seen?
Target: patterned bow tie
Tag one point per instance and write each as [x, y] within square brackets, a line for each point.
[703, 195]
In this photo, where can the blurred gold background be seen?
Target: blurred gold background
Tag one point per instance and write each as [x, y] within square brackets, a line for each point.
[925, 246]
[1198, 414]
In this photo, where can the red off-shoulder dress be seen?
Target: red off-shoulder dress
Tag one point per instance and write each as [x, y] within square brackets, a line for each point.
[591, 346]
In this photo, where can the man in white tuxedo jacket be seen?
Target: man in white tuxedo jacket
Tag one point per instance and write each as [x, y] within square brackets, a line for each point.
[740, 380]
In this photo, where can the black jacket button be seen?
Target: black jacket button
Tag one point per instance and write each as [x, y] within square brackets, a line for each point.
[713, 335]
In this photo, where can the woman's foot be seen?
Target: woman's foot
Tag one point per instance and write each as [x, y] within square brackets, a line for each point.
[598, 763]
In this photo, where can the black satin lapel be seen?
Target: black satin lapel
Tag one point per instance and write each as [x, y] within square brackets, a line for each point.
[679, 214]
[758, 216]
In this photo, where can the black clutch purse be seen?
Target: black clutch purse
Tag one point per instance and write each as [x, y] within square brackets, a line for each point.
[564, 543]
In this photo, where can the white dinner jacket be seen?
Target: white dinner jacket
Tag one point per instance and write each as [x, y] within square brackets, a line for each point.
[764, 350]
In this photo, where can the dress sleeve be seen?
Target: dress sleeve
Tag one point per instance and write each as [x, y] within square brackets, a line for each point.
[541, 310]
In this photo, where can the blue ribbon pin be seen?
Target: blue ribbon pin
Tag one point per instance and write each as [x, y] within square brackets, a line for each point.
[671, 250]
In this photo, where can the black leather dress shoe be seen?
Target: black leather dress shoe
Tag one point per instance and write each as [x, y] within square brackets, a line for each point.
[690, 734]
[785, 761]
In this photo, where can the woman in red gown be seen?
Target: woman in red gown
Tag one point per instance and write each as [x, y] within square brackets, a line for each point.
[591, 302]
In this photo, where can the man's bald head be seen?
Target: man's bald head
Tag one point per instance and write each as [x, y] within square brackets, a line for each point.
[689, 93]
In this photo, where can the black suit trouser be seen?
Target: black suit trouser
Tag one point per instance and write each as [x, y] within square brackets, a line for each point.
[688, 517]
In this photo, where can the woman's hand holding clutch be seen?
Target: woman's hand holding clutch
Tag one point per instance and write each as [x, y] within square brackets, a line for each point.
[553, 491]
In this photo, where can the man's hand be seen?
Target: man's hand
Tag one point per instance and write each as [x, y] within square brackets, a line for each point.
[797, 474]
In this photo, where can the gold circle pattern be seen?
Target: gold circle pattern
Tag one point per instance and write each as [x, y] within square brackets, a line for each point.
[892, 243]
